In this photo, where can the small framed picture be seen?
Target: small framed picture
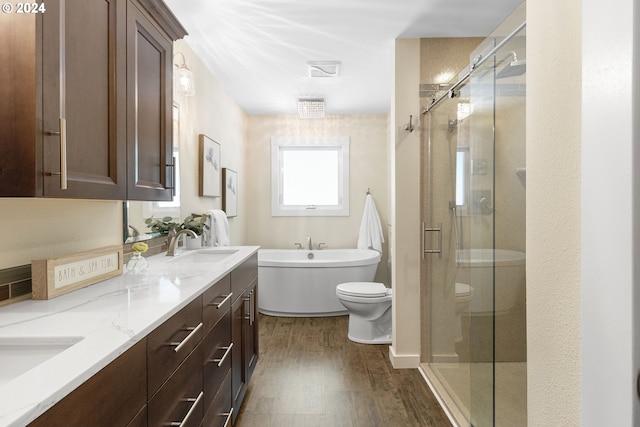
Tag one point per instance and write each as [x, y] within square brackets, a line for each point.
[230, 192]
[209, 167]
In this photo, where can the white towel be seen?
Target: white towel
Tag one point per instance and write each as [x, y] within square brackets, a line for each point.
[216, 231]
[370, 236]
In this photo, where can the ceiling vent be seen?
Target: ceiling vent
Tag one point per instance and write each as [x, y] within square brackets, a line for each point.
[311, 108]
[323, 68]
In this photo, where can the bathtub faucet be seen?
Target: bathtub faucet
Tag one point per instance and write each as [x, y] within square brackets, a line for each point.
[309, 244]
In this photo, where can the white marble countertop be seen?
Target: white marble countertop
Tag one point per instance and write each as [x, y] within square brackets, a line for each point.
[109, 317]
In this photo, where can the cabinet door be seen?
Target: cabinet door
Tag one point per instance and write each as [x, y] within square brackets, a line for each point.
[83, 89]
[250, 331]
[238, 387]
[150, 98]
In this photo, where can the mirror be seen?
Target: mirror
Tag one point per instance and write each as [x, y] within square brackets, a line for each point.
[135, 212]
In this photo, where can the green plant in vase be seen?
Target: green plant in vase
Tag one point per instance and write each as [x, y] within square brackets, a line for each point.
[194, 223]
[160, 225]
[197, 224]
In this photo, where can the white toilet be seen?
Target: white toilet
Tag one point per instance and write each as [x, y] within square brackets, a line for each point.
[464, 293]
[369, 306]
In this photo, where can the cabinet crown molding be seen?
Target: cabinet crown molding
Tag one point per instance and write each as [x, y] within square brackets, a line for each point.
[165, 18]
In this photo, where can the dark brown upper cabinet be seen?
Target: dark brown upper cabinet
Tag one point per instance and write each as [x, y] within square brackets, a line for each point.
[68, 90]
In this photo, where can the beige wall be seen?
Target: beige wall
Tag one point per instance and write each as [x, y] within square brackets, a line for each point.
[46, 228]
[405, 167]
[368, 169]
[215, 114]
[553, 212]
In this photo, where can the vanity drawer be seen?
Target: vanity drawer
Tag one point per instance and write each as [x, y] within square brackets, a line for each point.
[219, 412]
[170, 343]
[216, 301]
[217, 348]
[113, 397]
[180, 400]
[243, 275]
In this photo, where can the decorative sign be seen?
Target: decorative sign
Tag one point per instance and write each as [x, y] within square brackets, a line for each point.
[53, 277]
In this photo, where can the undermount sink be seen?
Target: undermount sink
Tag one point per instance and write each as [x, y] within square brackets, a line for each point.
[21, 354]
[203, 256]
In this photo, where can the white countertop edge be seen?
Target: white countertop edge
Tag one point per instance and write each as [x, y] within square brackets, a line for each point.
[111, 316]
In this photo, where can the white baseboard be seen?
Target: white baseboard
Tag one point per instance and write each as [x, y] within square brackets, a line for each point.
[403, 361]
[446, 358]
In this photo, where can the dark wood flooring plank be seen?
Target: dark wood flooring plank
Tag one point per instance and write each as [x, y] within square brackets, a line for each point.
[310, 375]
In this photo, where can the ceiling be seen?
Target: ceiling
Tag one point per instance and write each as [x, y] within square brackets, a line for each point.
[259, 49]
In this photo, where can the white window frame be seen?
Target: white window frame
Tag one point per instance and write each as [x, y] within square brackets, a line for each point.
[279, 144]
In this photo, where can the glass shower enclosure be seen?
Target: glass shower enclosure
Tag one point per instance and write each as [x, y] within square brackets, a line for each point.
[473, 234]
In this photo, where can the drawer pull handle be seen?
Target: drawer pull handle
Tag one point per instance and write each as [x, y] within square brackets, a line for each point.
[193, 407]
[228, 414]
[219, 306]
[194, 331]
[224, 356]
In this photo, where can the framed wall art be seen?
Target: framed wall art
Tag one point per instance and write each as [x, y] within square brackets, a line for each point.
[209, 167]
[230, 192]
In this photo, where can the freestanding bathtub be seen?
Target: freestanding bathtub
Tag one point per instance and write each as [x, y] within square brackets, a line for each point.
[302, 283]
[481, 267]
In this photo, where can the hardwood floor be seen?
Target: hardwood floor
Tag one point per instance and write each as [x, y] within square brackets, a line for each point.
[310, 375]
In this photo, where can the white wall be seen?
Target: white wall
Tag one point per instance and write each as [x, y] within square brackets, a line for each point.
[608, 370]
[554, 213]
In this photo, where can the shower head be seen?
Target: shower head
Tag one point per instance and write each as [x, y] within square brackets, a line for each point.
[515, 68]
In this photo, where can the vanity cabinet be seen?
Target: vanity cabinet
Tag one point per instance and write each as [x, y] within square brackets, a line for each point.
[115, 396]
[71, 120]
[244, 328]
[191, 370]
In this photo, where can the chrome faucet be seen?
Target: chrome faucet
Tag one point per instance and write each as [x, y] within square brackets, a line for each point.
[174, 237]
[309, 244]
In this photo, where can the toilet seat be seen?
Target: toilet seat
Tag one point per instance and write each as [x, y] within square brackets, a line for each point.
[463, 290]
[363, 289]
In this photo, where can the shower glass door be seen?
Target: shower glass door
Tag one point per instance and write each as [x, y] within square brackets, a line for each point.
[458, 171]
[473, 211]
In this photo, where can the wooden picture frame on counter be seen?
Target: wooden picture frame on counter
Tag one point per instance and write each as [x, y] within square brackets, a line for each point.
[57, 276]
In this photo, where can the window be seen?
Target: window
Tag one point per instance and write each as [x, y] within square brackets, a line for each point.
[310, 176]
[169, 208]
[462, 178]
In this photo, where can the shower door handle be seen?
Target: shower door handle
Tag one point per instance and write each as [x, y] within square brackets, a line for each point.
[424, 238]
